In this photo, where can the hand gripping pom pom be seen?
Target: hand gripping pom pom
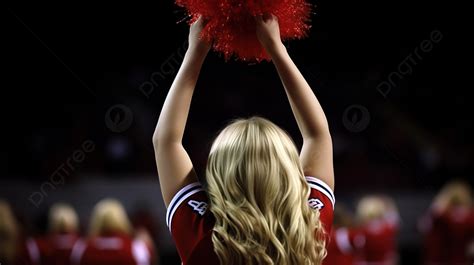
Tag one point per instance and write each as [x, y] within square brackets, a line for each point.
[231, 23]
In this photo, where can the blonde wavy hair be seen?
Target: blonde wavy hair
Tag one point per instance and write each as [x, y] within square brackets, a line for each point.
[259, 197]
[8, 233]
[109, 216]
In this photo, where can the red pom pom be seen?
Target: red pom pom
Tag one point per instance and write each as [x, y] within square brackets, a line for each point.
[231, 23]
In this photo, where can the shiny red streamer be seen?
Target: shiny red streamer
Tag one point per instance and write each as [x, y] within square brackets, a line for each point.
[231, 23]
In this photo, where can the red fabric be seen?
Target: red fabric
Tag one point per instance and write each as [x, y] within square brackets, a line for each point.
[380, 242]
[59, 247]
[458, 226]
[231, 24]
[117, 249]
[455, 226]
[343, 246]
[23, 256]
[192, 224]
[432, 229]
[49, 250]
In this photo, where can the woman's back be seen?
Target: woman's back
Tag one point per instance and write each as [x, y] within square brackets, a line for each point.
[191, 223]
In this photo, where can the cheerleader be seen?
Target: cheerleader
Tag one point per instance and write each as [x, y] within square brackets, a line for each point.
[14, 249]
[265, 203]
[9, 235]
[448, 226]
[63, 232]
[111, 239]
[378, 222]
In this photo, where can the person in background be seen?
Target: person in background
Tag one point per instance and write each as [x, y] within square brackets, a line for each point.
[448, 226]
[111, 239]
[265, 202]
[346, 240]
[9, 234]
[378, 220]
[13, 247]
[63, 232]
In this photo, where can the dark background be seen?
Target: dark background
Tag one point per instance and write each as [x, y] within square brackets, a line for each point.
[68, 66]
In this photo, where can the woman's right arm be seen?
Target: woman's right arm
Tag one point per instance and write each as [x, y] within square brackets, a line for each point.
[316, 154]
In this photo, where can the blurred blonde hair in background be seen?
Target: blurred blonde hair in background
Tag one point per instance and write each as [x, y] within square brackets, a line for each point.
[370, 208]
[63, 219]
[109, 216]
[454, 193]
[9, 234]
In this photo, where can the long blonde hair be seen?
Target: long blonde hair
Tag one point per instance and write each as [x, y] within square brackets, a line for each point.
[259, 197]
[9, 233]
[109, 216]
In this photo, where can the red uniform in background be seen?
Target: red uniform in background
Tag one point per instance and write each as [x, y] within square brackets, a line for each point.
[191, 223]
[458, 231]
[54, 249]
[343, 246]
[24, 254]
[432, 229]
[112, 248]
[447, 236]
[380, 242]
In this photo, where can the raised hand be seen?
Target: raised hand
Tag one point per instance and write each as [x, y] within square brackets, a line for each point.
[196, 43]
[268, 31]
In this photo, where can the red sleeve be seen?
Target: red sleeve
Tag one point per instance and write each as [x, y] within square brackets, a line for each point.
[322, 198]
[188, 219]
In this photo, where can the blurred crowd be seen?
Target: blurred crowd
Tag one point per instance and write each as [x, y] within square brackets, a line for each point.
[366, 236]
[369, 237]
[111, 238]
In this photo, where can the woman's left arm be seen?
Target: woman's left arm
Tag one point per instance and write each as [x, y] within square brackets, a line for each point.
[175, 168]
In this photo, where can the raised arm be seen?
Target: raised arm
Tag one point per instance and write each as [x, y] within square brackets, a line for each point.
[175, 168]
[316, 154]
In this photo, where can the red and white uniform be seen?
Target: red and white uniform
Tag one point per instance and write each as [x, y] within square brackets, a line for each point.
[191, 223]
[343, 246]
[380, 246]
[28, 253]
[432, 229]
[458, 230]
[447, 236]
[113, 248]
[52, 249]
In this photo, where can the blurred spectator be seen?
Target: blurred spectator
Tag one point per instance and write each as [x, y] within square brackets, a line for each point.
[63, 233]
[378, 219]
[345, 240]
[9, 235]
[13, 249]
[448, 227]
[111, 239]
